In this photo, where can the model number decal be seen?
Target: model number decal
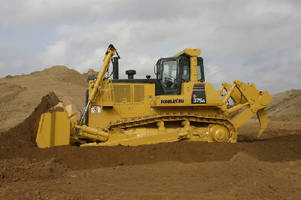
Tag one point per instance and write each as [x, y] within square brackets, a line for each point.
[198, 97]
[198, 100]
[167, 101]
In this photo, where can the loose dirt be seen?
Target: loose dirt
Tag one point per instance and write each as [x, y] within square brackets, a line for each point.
[266, 168]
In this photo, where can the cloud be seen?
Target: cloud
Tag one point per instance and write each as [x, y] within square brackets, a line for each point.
[253, 41]
[20, 13]
[56, 53]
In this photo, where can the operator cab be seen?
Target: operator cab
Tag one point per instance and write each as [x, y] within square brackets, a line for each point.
[172, 72]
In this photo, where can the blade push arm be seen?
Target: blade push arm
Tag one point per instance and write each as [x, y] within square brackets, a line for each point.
[106, 61]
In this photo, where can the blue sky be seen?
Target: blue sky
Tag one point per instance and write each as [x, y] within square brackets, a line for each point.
[253, 41]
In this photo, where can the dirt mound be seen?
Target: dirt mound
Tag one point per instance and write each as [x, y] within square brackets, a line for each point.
[19, 95]
[286, 106]
[62, 73]
[22, 137]
[90, 72]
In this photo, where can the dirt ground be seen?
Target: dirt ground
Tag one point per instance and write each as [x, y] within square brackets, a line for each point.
[267, 168]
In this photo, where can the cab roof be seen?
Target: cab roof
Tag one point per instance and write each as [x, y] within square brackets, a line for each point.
[189, 52]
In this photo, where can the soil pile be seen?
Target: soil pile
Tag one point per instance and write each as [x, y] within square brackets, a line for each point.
[286, 106]
[22, 137]
[19, 95]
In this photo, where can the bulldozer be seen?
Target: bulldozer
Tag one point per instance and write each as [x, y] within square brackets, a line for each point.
[178, 104]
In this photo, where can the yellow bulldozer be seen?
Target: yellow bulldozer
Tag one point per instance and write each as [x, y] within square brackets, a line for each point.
[175, 105]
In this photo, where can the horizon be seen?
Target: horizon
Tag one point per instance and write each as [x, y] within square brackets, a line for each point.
[124, 76]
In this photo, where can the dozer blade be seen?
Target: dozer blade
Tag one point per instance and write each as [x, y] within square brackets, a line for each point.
[54, 130]
[263, 120]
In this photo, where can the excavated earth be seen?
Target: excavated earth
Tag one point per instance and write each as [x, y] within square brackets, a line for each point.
[266, 168]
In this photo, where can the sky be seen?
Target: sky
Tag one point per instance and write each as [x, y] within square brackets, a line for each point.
[255, 41]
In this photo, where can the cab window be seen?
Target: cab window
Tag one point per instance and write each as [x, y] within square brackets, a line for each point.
[186, 72]
[169, 74]
[200, 69]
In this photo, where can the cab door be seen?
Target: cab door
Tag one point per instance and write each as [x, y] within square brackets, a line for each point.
[168, 76]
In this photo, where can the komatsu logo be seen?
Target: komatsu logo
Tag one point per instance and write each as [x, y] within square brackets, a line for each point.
[167, 101]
